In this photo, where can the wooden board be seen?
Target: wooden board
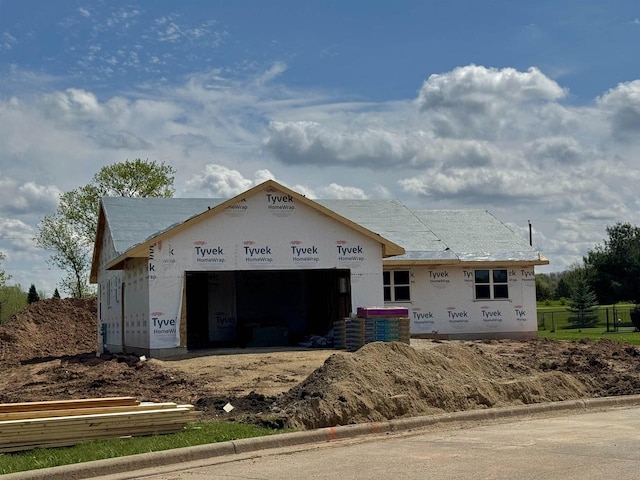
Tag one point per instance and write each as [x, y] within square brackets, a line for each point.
[23, 415]
[65, 404]
[30, 425]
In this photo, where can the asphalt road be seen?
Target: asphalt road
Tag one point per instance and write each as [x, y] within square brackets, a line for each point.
[582, 446]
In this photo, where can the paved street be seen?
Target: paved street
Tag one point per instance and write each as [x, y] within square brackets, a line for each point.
[595, 445]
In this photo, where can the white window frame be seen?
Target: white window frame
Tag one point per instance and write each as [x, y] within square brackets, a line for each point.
[392, 285]
[493, 285]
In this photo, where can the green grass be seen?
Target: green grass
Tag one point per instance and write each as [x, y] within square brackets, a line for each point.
[553, 323]
[597, 333]
[549, 305]
[195, 434]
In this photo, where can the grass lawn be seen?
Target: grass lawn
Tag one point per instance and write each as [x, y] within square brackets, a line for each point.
[597, 333]
[196, 434]
[553, 324]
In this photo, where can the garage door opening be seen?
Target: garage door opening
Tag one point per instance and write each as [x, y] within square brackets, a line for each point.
[263, 308]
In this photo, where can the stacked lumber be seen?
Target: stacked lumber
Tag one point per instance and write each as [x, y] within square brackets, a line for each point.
[24, 426]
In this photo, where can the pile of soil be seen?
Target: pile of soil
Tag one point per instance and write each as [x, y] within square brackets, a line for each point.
[49, 328]
[48, 352]
[389, 380]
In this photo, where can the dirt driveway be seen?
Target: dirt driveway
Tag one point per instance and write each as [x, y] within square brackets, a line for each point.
[239, 372]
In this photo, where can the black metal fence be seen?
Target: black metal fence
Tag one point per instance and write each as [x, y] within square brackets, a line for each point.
[611, 318]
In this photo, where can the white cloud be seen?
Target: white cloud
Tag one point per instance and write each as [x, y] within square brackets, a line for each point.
[73, 103]
[262, 176]
[334, 190]
[219, 181]
[472, 116]
[318, 144]
[171, 33]
[123, 18]
[487, 103]
[167, 29]
[7, 41]
[622, 106]
[39, 198]
[477, 88]
[555, 152]
[121, 140]
[18, 235]
[223, 182]
[273, 72]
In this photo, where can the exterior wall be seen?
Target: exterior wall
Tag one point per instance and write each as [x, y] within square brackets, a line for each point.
[109, 302]
[268, 231]
[442, 304]
[134, 329]
[110, 310]
[136, 305]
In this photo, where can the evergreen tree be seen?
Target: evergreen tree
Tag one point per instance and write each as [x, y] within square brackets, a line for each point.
[563, 289]
[32, 296]
[56, 294]
[582, 305]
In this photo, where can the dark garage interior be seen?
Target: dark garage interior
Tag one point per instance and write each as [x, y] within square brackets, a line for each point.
[250, 308]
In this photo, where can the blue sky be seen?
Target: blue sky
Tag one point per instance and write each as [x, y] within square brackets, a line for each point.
[379, 50]
[530, 110]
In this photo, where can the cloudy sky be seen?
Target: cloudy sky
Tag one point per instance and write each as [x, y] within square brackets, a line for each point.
[530, 110]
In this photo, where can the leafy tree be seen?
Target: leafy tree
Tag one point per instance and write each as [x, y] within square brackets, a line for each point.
[4, 276]
[56, 294]
[32, 296]
[543, 289]
[135, 178]
[71, 231]
[70, 252]
[614, 268]
[12, 300]
[583, 303]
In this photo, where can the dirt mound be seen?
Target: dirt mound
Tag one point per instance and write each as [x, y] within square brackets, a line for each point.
[383, 381]
[87, 376]
[606, 367]
[50, 328]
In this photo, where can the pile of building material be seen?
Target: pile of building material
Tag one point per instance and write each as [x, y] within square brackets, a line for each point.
[24, 426]
[373, 324]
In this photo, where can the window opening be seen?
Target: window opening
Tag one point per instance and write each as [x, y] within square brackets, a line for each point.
[491, 284]
[396, 286]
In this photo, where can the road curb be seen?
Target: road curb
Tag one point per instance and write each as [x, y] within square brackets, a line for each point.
[322, 435]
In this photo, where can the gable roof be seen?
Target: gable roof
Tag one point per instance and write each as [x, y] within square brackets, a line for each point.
[134, 220]
[410, 237]
[440, 236]
[137, 223]
[396, 222]
[478, 236]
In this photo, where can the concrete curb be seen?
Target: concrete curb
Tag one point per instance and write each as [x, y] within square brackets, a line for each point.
[330, 434]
